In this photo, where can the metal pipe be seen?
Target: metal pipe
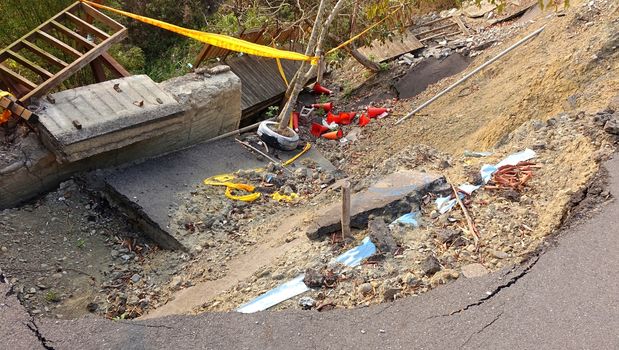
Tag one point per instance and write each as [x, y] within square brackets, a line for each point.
[238, 131]
[466, 77]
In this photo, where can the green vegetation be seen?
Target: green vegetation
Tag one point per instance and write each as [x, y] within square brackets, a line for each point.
[52, 297]
[163, 55]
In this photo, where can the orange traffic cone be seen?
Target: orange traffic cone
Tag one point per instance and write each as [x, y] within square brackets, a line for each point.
[374, 112]
[346, 118]
[333, 135]
[364, 120]
[295, 121]
[319, 89]
[327, 107]
[333, 118]
[318, 129]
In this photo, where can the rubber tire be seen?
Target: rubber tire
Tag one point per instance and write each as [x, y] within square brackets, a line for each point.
[276, 140]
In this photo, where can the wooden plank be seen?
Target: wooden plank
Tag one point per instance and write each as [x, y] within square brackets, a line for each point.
[390, 49]
[86, 27]
[101, 17]
[114, 66]
[58, 44]
[24, 81]
[43, 73]
[75, 66]
[436, 30]
[79, 40]
[44, 54]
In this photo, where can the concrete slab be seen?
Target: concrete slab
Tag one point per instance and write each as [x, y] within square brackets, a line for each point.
[84, 121]
[391, 196]
[148, 191]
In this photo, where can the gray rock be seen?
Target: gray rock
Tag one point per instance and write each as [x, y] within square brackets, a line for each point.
[136, 278]
[365, 288]
[313, 278]
[430, 266]
[412, 280]
[499, 254]
[307, 303]
[448, 235]
[381, 236]
[612, 127]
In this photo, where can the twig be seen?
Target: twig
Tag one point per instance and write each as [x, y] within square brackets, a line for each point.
[469, 220]
[263, 154]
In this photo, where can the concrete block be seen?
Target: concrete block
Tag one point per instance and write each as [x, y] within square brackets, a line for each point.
[391, 196]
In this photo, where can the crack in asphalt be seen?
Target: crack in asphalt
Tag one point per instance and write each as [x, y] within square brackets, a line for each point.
[496, 318]
[145, 325]
[35, 329]
[496, 291]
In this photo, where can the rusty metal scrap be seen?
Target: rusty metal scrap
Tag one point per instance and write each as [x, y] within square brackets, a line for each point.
[512, 176]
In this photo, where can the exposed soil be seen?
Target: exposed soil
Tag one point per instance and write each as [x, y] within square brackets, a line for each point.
[68, 253]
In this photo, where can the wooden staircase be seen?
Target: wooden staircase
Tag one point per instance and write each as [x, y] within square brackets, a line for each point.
[54, 51]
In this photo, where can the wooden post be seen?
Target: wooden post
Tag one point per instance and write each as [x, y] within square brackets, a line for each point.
[346, 209]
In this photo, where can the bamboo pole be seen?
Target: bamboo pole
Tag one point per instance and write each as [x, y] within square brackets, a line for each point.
[466, 77]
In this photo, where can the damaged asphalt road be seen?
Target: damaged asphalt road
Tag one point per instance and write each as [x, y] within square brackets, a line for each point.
[564, 298]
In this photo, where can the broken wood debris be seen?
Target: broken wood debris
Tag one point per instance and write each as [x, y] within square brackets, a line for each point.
[512, 176]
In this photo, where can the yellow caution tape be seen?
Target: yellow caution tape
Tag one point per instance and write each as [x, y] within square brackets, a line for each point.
[218, 40]
[283, 197]
[291, 160]
[347, 42]
[224, 180]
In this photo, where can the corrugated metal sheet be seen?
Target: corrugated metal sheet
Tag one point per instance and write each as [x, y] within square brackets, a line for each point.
[261, 83]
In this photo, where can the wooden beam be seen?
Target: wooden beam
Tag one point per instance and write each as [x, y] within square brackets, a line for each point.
[86, 27]
[202, 55]
[43, 73]
[97, 70]
[43, 54]
[435, 30]
[101, 17]
[24, 81]
[59, 44]
[75, 66]
[114, 66]
[79, 40]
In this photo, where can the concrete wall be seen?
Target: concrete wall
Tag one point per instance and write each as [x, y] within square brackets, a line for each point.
[213, 107]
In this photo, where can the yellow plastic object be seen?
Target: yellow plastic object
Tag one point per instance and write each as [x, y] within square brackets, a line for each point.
[292, 160]
[224, 180]
[245, 198]
[218, 40]
[5, 93]
[283, 197]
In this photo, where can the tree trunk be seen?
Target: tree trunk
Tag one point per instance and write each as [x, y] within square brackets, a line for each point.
[358, 56]
[315, 45]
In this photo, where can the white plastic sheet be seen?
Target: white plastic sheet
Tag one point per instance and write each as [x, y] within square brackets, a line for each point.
[294, 287]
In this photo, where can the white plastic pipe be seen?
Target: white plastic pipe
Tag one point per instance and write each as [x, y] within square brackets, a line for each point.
[466, 77]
